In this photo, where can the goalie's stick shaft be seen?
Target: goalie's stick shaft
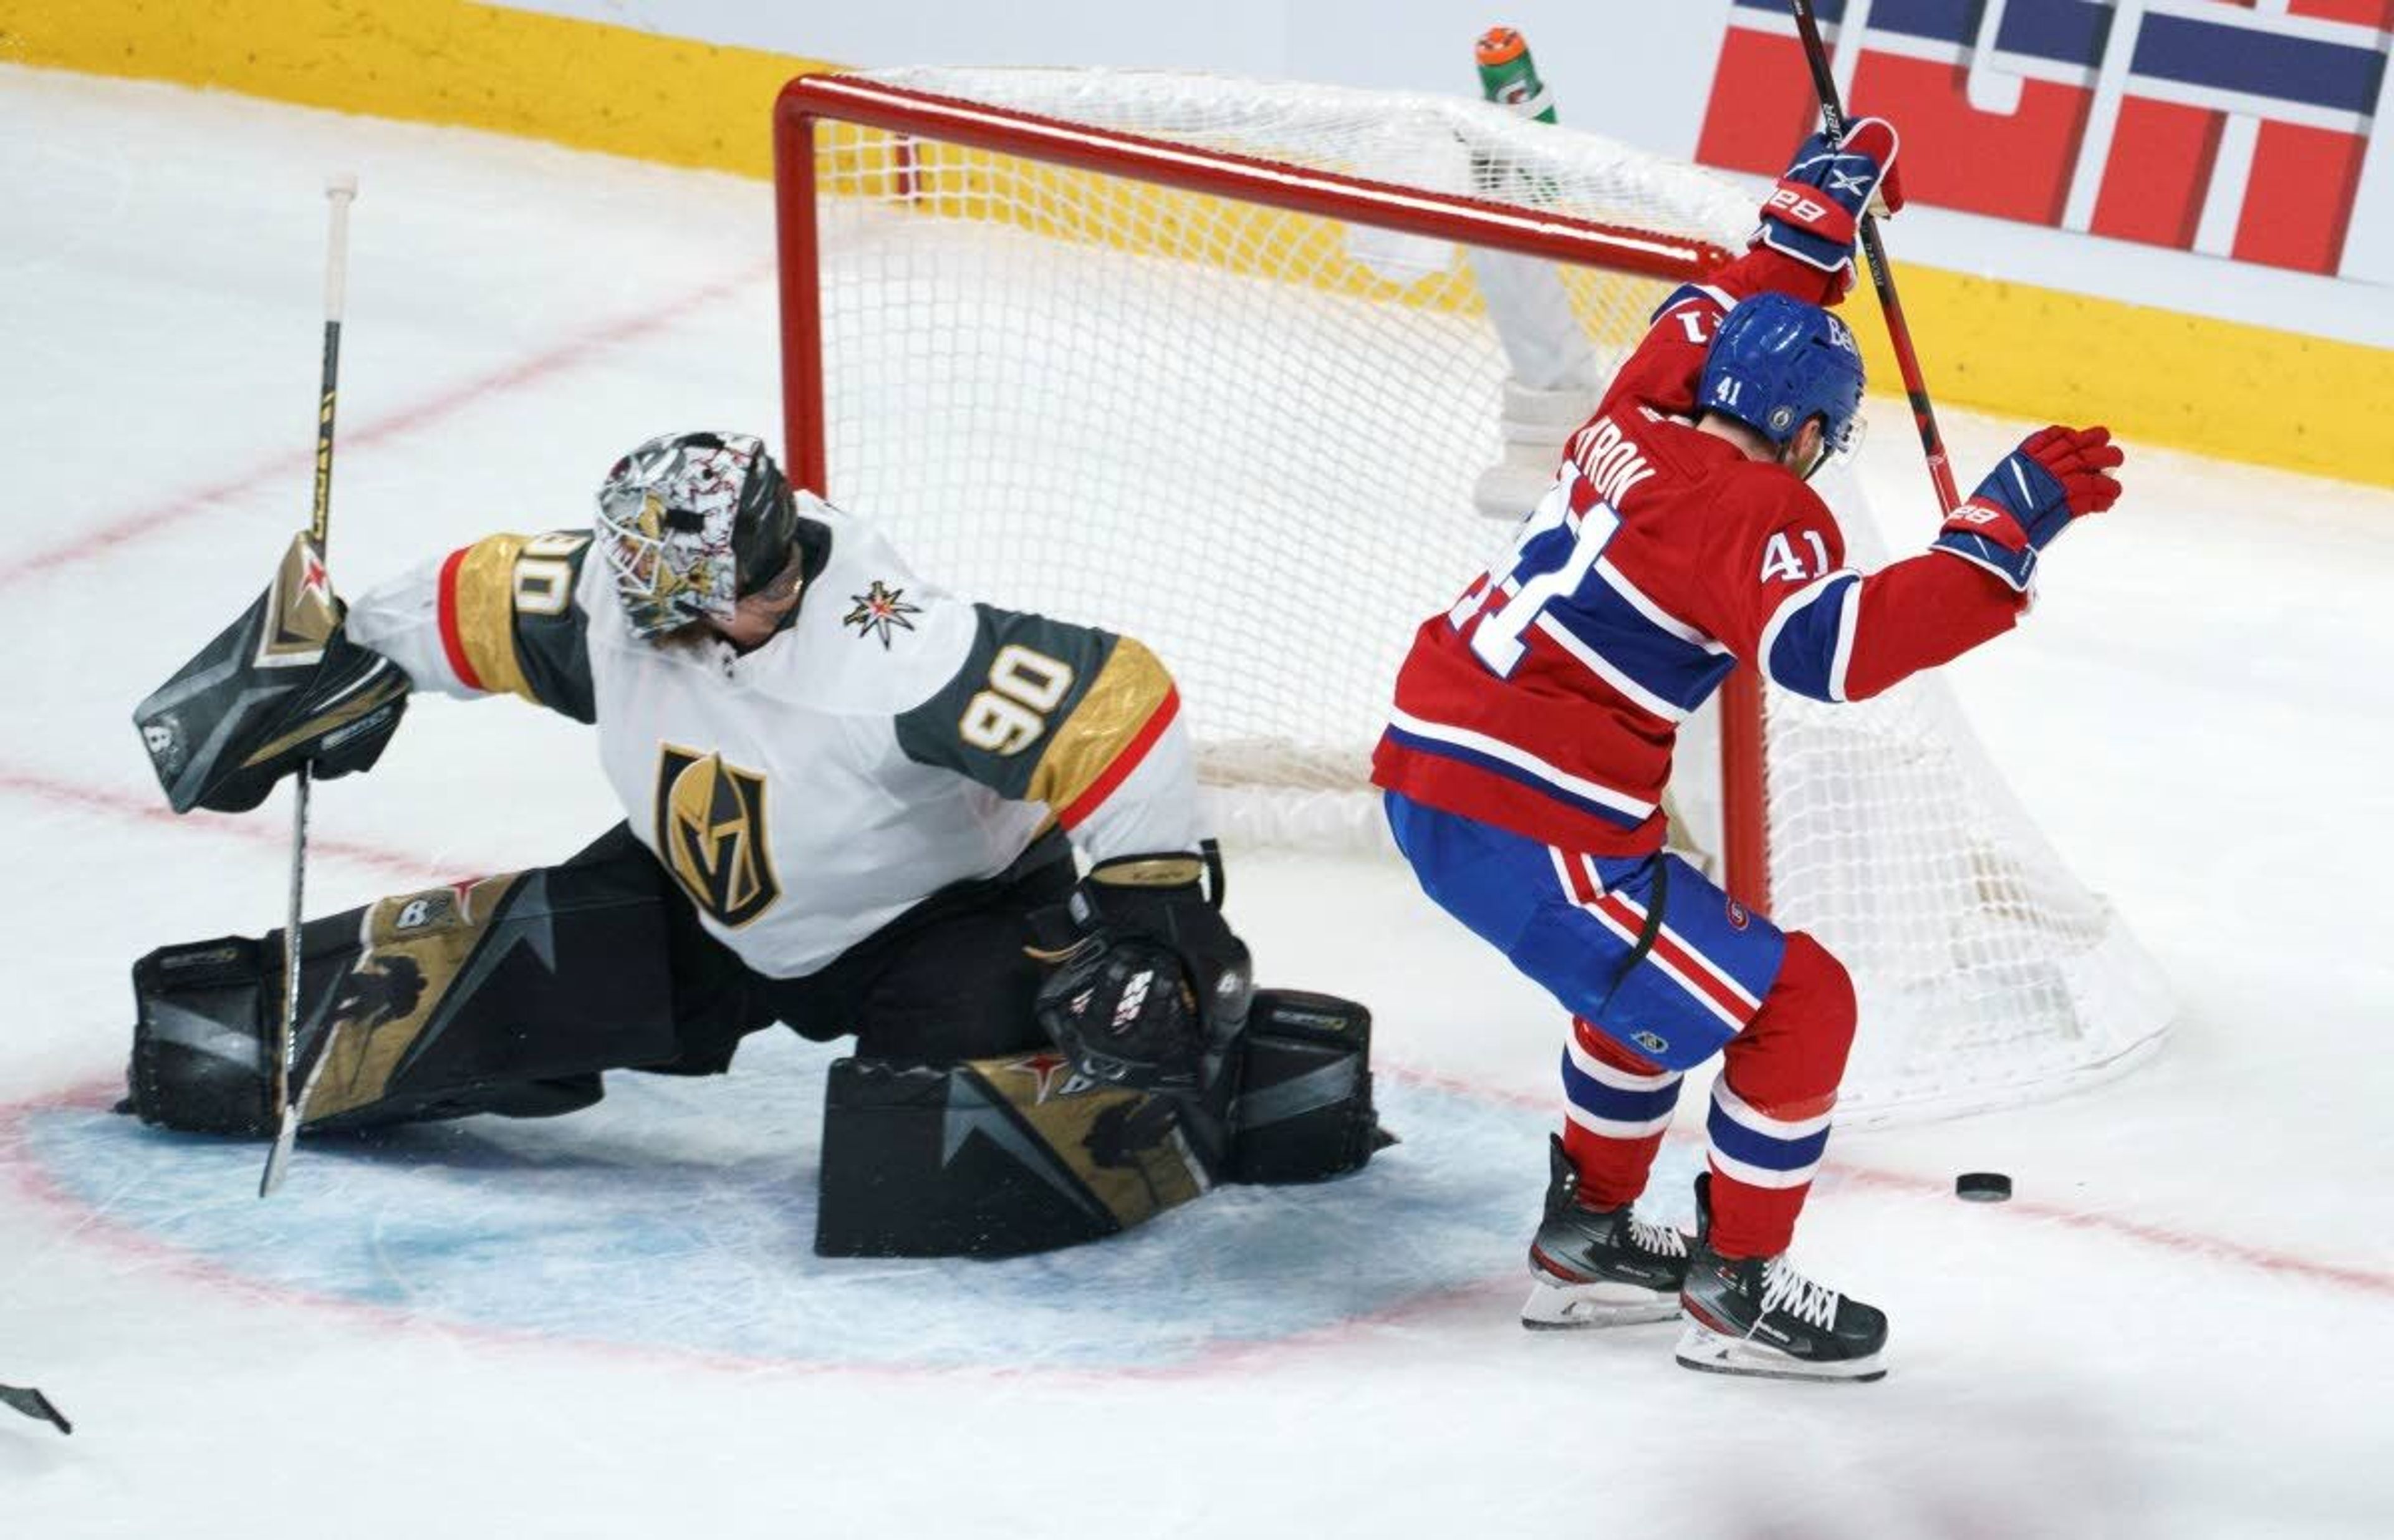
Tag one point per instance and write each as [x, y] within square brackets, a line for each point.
[1898, 333]
[339, 193]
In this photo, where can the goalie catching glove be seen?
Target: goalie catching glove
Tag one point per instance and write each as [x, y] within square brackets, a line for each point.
[1148, 981]
[282, 687]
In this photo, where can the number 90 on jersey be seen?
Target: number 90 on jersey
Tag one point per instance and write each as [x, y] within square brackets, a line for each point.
[1010, 713]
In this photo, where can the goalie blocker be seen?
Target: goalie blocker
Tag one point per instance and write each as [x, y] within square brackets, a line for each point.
[513, 993]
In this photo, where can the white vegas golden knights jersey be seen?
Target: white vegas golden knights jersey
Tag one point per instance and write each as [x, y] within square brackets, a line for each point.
[895, 739]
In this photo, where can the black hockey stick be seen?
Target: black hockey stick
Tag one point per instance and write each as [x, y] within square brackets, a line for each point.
[35, 1405]
[339, 191]
[1833, 116]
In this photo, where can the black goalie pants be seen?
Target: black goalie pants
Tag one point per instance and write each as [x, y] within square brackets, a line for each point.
[513, 993]
[947, 980]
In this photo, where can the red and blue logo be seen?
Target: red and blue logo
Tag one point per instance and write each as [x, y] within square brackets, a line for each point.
[2233, 129]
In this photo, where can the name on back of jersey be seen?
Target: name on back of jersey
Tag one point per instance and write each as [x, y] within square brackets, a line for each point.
[1612, 462]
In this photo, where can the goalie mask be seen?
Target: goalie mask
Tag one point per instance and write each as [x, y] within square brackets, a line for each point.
[689, 522]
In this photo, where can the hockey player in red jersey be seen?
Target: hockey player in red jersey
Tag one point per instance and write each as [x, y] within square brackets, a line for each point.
[1526, 754]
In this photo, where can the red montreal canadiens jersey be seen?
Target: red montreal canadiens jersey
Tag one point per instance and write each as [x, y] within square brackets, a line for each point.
[1547, 700]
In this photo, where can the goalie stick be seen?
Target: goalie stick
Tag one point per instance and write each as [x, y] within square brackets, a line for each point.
[1923, 415]
[339, 191]
[35, 1405]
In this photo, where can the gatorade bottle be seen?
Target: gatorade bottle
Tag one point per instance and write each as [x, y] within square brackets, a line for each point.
[1509, 77]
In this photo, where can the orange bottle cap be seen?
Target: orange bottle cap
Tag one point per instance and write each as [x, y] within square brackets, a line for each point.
[1500, 46]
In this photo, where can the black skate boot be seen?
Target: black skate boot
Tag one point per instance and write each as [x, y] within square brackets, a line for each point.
[1758, 1315]
[1599, 1267]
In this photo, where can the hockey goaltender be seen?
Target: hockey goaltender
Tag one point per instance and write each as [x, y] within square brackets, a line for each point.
[851, 804]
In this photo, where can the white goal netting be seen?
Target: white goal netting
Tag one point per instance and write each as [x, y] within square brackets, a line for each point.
[1250, 436]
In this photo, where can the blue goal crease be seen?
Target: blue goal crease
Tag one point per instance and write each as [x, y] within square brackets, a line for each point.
[604, 1228]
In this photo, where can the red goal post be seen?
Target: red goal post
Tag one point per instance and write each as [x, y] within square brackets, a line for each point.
[915, 115]
[1225, 363]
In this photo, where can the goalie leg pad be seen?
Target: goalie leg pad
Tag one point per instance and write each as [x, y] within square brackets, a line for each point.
[507, 993]
[996, 1157]
[1304, 1111]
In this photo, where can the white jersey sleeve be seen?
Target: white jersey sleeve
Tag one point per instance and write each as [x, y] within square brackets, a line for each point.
[399, 618]
[500, 616]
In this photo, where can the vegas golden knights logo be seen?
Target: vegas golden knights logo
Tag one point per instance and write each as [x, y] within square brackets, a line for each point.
[711, 833]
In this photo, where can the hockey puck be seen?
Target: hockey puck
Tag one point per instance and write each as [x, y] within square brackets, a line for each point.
[1982, 1187]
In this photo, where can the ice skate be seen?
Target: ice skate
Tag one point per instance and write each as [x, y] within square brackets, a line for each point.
[1599, 1267]
[1758, 1315]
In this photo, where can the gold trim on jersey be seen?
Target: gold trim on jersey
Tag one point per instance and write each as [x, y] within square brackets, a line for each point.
[1085, 745]
[485, 597]
[711, 833]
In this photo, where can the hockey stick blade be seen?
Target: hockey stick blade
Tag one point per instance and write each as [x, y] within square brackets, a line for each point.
[35, 1405]
[286, 1138]
[294, 1111]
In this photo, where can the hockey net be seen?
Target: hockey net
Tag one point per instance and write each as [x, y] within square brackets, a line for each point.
[1216, 362]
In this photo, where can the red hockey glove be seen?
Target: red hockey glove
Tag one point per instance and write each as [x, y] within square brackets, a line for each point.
[1814, 211]
[2058, 474]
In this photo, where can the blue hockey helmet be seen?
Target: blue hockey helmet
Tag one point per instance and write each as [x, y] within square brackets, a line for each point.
[1777, 363]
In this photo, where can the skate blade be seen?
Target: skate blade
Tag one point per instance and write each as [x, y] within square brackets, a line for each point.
[1708, 1351]
[1559, 1307]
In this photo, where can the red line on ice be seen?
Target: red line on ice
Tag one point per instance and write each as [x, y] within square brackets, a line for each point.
[149, 807]
[293, 469]
[2190, 1243]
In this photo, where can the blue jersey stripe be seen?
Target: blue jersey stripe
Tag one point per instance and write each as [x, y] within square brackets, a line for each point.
[1669, 668]
[1441, 749]
[1803, 655]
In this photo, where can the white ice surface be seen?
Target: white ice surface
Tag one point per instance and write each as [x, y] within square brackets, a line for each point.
[612, 1325]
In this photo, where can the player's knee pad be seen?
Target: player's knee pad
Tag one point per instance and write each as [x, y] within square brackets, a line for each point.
[1821, 995]
[1794, 1052]
[505, 994]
